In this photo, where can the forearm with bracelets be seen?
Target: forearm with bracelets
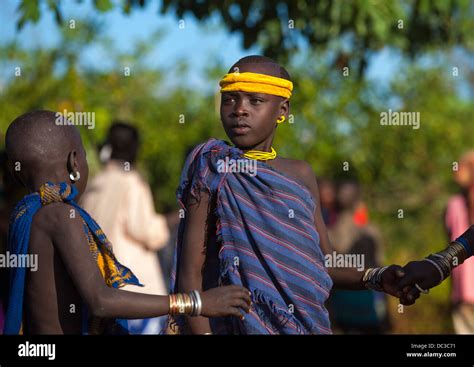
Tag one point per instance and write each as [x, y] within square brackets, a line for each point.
[372, 278]
[185, 304]
[444, 261]
[454, 255]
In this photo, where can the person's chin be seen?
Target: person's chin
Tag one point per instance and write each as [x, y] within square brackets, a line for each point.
[243, 142]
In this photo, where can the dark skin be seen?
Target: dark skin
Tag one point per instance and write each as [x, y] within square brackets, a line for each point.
[67, 274]
[259, 113]
[425, 274]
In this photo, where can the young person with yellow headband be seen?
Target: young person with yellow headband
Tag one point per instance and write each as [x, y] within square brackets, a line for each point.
[262, 231]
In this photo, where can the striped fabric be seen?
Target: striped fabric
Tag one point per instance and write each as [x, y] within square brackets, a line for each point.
[267, 242]
[115, 275]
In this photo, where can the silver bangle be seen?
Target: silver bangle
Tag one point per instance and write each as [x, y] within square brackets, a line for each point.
[379, 275]
[437, 267]
[372, 278]
[443, 264]
[365, 278]
[425, 291]
[198, 303]
[194, 303]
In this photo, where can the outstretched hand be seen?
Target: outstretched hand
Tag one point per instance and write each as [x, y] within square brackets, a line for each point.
[420, 273]
[419, 276]
[401, 282]
[390, 280]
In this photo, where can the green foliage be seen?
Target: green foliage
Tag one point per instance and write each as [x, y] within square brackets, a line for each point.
[354, 29]
[29, 11]
[103, 5]
[112, 95]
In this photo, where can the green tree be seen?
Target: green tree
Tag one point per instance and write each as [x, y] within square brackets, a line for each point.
[351, 30]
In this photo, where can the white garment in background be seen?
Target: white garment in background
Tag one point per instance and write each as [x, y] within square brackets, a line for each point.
[122, 204]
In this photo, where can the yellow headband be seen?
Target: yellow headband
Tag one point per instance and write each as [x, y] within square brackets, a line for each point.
[256, 83]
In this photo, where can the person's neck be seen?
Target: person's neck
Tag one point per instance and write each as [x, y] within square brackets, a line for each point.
[264, 146]
[40, 180]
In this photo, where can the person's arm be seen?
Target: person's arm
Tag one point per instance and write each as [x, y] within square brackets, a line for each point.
[345, 278]
[70, 242]
[432, 270]
[467, 240]
[193, 254]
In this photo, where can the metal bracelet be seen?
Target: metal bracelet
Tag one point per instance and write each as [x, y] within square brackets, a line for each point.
[437, 267]
[198, 303]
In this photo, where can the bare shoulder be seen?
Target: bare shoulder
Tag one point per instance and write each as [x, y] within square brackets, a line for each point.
[46, 223]
[301, 170]
[53, 217]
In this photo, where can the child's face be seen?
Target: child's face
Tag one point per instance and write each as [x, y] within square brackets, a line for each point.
[249, 118]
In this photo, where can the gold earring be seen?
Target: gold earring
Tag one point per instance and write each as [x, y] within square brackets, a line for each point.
[281, 119]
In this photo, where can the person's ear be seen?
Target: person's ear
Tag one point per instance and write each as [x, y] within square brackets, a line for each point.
[72, 166]
[285, 108]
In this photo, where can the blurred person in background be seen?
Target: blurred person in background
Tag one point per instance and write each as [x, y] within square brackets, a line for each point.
[361, 312]
[459, 215]
[121, 202]
[173, 217]
[327, 192]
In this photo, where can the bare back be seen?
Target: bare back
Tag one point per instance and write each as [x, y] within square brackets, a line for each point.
[52, 302]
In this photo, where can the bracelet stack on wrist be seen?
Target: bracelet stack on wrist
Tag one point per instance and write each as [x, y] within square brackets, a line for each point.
[463, 241]
[372, 278]
[446, 260]
[185, 304]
